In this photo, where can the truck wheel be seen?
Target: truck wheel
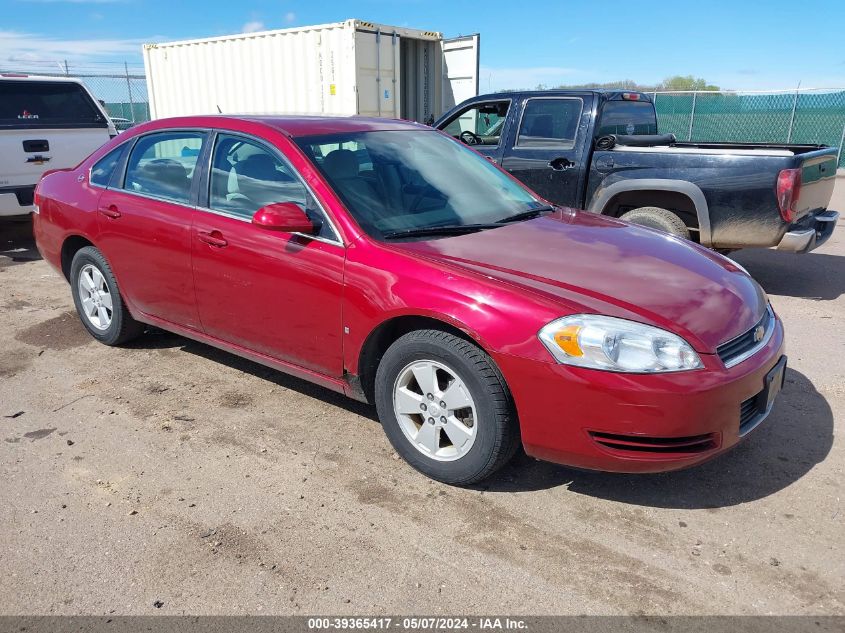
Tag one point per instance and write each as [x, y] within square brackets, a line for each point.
[98, 301]
[657, 218]
[445, 407]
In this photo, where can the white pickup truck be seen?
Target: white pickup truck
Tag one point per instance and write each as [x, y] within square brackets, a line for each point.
[45, 123]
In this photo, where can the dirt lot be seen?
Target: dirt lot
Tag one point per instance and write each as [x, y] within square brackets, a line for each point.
[168, 477]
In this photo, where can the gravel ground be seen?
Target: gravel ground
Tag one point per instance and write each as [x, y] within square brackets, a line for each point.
[169, 477]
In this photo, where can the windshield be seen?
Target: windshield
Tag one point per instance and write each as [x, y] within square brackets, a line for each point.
[627, 117]
[47, 104]
[414, 179]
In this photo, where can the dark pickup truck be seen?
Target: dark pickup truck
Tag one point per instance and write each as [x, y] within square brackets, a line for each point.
[600, 150]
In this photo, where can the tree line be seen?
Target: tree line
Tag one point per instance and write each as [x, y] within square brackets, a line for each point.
[670, 84]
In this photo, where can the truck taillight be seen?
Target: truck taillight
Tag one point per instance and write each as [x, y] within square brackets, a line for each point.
[630, 96]
[789, 186]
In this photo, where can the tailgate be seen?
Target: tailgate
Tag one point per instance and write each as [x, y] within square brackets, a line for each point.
[818, 175]
[26, 154]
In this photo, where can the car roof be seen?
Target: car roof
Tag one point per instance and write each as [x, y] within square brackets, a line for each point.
[294, 125]
[607, 93]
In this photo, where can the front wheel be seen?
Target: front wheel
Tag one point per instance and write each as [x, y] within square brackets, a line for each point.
[445, 407]
[98, 301]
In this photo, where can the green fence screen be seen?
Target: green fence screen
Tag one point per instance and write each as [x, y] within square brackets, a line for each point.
[814, 117]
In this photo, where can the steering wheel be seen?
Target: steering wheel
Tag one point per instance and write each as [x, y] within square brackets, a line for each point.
[425, 192]
[470, 138]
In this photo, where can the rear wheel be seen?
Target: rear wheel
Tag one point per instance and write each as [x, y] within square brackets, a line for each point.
[445, 407]
[97, 299]
[657, 218]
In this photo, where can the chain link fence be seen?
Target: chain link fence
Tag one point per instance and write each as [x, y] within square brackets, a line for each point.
[800, 116]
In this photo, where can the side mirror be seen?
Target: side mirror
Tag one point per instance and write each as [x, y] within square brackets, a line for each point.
[283, 216]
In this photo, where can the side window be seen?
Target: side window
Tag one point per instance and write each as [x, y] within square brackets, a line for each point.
[550, 123]
[480, 124]
[245, 177]
[162, 165]
[103, 169]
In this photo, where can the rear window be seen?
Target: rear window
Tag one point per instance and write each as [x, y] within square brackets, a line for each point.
[31, 104]
[627, 117]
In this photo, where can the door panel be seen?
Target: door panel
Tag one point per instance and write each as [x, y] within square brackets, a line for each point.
[145, 225]
[547, 147]
[272, 292]
[147, 242]
[460, 70]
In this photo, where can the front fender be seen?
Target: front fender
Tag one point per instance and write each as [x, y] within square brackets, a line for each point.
[383, 284]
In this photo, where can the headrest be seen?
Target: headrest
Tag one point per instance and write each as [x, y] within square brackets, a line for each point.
[166, 170]
[341, 163]
[259, 167]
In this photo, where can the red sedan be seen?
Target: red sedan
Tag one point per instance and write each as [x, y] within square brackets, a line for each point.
[386, 261]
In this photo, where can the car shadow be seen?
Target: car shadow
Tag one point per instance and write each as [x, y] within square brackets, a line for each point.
[797, 435]
[817, 276]
[155, 338]
[17, 245]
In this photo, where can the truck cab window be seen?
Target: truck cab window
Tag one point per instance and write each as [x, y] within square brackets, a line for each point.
[627, 117]
[480, 124]
[550, 123]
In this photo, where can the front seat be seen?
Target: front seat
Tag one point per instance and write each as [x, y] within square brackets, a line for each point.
[261, 183]
[341, 165]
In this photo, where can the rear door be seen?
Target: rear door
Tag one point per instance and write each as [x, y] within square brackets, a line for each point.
[145, 224]
[546, 146]
[460, 70]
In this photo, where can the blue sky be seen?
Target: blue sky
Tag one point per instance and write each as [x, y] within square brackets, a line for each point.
[741, 44]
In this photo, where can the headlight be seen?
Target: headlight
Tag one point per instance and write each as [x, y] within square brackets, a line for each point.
[612, 344]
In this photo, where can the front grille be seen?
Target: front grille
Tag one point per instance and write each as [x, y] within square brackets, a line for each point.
[25, 195]
[644, 444]
[739, 348]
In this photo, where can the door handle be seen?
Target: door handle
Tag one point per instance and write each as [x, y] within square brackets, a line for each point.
[110, 211]
[561, 163]
[214, 238]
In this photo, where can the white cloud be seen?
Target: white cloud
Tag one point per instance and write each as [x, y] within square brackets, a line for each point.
[252, 26]
[491, 79]
[18, 48]
[290, 17]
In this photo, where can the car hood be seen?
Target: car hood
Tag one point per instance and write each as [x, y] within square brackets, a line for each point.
[595, 264]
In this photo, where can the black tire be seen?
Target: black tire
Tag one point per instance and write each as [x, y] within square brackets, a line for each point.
[657, 218]
[497, 430]
[122, 327]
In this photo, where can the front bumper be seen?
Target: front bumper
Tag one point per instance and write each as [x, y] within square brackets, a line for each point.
[637, 422]
[803, 239]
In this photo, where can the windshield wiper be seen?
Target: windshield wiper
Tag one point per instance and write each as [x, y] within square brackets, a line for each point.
[448, 229]
[527, 215]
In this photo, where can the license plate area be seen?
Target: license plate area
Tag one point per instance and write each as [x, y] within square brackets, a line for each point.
[772, 385]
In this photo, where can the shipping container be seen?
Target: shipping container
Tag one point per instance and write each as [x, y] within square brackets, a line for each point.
[346, 68]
